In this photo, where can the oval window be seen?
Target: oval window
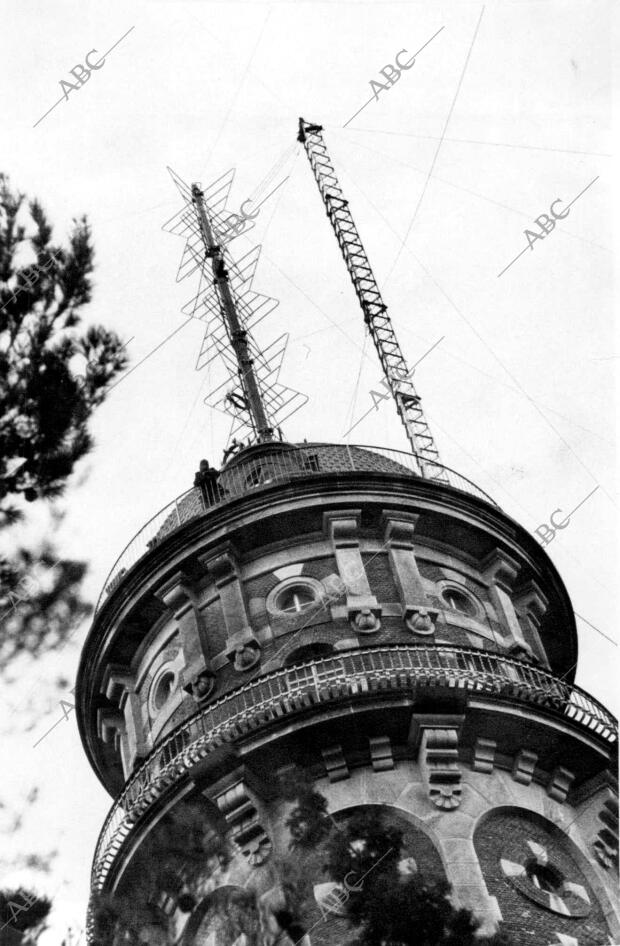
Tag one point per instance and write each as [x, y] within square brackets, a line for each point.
[295, 599]
[458, 601]
[163, 690]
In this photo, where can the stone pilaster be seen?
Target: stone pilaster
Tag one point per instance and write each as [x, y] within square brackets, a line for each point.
[419, 617]
[242, 647]
[363, 610]
[177, 594]
[119, 688]
[500, 571]
[530, 599]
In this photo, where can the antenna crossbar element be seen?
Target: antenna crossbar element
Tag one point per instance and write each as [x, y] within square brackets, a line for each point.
[231, 308]
[237, 334]
[397, 374]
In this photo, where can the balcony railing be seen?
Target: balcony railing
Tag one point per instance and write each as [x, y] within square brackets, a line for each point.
[253, 474]
[357, 673]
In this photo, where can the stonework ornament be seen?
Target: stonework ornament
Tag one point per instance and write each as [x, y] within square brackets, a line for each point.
[440, 768]
[246, 657]
[202, 686]
[421, 620]
[544, 883]
[247, 831]
[365, 622]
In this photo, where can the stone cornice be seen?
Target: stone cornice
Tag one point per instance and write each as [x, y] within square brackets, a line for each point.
[316, 495]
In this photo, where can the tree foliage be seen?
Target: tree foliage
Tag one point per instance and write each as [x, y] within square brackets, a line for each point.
[52, 378]
[384, 902]
[23, 911]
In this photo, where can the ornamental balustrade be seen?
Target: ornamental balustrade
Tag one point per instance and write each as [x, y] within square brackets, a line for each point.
[355, 674]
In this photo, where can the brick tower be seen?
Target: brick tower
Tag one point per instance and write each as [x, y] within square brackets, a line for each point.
[366, 616]
[402, 639]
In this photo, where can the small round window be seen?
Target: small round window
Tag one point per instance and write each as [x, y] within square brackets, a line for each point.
[162, 691]
[295, 599]
[458, 601]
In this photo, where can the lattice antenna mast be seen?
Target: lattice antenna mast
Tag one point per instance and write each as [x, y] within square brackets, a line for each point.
[237, 335]
[397, 375]
[230, 308]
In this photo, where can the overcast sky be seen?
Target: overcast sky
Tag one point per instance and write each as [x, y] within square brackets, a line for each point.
[505, 111]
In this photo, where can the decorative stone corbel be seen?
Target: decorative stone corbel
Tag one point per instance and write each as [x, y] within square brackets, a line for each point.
[560, 783]
[364, 615]
[440, 769]
[363, 610]
[438, 737]
[243, 650]
[381, 753]
[531, 597]
[335, 763]
[420, 620]
[523, 766]
[399, 530]
[238, 805]
[484, 755]
[606, 842]
[110, 726]
[202, 686]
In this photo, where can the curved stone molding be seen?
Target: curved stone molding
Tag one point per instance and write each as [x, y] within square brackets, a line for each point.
[359, 672]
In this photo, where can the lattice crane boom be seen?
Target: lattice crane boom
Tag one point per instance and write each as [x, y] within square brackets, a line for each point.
[397, 374]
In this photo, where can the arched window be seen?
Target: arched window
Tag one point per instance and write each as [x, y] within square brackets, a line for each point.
[309, 652]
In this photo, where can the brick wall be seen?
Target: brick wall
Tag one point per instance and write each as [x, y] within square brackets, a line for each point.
[330, 930]
[380, 578]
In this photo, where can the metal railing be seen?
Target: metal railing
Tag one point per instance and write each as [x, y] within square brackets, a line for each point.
[358, 673]
[253, 474]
